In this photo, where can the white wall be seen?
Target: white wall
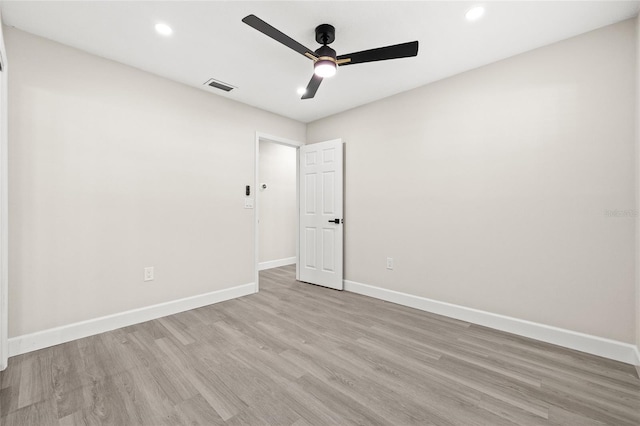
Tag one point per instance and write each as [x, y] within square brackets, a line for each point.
[490, 189]
[278, 217]
[113, 169]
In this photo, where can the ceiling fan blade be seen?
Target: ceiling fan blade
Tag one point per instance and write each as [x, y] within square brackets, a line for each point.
[277, 35]
[396, 51]
[312, 87]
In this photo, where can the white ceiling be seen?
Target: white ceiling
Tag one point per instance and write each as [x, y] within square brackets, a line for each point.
[210, 41]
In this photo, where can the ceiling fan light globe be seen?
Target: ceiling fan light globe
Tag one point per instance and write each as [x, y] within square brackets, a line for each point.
[325, 69]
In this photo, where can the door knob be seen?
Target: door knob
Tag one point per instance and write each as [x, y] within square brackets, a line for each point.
[336, 221]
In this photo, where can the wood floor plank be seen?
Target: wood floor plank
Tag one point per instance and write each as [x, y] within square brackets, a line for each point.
[208, 384]
[260, 392]
[350, 380]
[446, 401]
[102, 402]
[347, 408]
[39, 413]
[285, 374]
[144, 400]
[180, 335]
[299, 354]
[67, 379]
[196, 411]
[35, 377]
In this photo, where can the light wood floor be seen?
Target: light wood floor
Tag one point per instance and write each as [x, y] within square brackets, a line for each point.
[297, 354]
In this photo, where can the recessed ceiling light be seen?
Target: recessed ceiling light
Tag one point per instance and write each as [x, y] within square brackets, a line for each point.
[301, 90]
[474, 13]
[164, 29]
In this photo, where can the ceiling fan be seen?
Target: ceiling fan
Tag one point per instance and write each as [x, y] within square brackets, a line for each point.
[325, 59]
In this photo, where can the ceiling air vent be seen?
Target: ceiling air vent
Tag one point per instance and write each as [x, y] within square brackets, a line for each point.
[220, 85]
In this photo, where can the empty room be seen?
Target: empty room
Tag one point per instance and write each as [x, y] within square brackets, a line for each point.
[319, 213]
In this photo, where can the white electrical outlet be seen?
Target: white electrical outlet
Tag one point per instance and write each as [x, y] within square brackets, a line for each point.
[148, 273]
[248, 203]
[389, 262]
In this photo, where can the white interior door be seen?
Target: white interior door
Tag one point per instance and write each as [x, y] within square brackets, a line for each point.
[321, 203]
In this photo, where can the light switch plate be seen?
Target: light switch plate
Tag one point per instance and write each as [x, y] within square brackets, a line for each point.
[248, 203]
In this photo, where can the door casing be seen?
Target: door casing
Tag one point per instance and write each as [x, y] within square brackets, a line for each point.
[4, 227]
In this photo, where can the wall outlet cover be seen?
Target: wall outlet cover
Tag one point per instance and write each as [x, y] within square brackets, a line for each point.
[148, 273]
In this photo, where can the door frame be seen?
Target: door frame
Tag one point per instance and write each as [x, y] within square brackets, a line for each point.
[4, 228]
[265, 137]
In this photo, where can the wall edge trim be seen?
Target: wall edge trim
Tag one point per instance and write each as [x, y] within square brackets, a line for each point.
[54, 336]
[276, 263]
[606, 348]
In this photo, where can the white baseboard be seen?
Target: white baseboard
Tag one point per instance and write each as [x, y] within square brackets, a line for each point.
[595, 345]
[55, 336]
[276, 263]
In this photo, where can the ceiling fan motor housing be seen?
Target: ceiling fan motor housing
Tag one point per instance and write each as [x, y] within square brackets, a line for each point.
[326, 52]
[325, 34]
[326, 64]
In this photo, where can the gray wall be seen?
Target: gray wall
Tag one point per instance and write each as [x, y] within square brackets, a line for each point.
[113, 169]
[492, 189]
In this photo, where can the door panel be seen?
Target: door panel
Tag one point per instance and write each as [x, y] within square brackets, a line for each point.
[310, 248]
[321, 170]
[328, 243]
[310, 195]
[328, 185]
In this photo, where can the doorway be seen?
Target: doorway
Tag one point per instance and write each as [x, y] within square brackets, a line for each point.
[276, 193]
[276, 203]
